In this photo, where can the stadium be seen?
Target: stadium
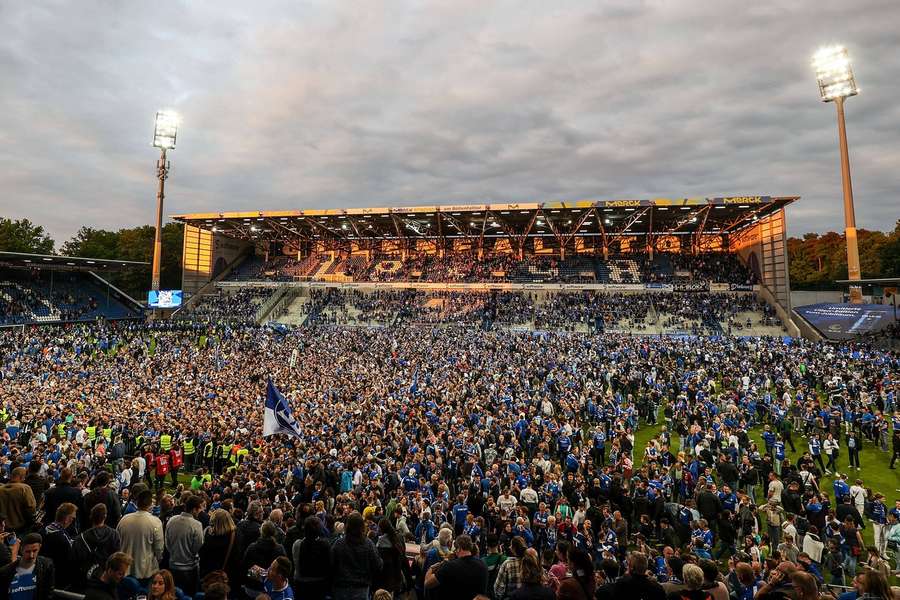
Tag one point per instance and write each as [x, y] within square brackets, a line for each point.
[609, 379]
[449, 395]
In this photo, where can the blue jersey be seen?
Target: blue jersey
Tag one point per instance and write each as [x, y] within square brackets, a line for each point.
[879, 512]
[460, 511]
[815, 448]
[779, 450]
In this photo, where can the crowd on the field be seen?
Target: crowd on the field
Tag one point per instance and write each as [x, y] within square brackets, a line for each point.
[133, 463]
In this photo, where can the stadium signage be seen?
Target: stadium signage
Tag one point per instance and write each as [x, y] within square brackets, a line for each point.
[634, 287]
[621, 203]
[743, 200]
[740, 287]
[691, 286]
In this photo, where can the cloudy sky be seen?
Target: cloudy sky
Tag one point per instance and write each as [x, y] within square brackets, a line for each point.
[369, 103]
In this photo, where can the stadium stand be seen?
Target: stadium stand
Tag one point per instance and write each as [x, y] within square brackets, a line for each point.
[36, 296]
[467, 268]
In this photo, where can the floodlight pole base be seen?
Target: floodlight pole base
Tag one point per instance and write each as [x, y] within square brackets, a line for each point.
[162, 172]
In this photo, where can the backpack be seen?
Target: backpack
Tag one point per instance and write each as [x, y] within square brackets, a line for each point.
[85, 556]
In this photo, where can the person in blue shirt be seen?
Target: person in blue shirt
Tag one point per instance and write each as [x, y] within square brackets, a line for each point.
[778, 449]
[276, 583]
[769, 439]
[460, 510]
[815, 449]
[425, 530]
[879, 522]
[410, 482]
[599, 447]
[841, 489]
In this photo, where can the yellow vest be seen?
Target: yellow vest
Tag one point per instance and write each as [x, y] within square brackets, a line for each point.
[165, 441]
[188, 447]
[107, 433]
[208, 449]
[92, 432]
[242, 454]
[61, 431]
[225, 449]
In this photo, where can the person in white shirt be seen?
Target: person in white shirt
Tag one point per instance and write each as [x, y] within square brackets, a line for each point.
[507, 502]
[528, 495]
[858, 497]
[124, 478]
[832, 449]
[142, 537]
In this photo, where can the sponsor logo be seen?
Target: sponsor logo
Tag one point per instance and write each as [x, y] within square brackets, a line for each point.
[691, 286]
[621, 203]
[743, 200]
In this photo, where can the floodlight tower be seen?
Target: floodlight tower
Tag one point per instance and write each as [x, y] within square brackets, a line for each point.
[163, 138]
[836, 82]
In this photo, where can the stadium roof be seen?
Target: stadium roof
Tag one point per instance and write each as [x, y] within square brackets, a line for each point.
[72, 263]
[560, 220]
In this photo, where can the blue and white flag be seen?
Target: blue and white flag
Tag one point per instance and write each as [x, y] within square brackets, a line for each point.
[277, 416]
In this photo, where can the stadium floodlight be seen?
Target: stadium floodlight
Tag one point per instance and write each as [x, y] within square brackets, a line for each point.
[164, 134]
[834, 73]
[166, 130]
[836, 82]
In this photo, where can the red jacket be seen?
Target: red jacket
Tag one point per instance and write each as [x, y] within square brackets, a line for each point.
[162, 464]
[176, 457]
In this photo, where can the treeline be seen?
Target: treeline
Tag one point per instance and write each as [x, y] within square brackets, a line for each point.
[134, 243]
[817, 261]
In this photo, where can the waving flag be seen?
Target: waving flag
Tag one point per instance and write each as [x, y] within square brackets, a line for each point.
[277, 416]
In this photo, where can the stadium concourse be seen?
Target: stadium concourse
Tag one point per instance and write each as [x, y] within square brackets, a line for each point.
[510, 426]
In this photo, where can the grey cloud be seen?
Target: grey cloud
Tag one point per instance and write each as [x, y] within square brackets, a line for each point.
[325, 104]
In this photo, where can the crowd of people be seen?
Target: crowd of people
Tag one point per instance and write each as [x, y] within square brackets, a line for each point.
[226, 304]
[25, 295]
[567, 311]
[503, 267]
[133, 462]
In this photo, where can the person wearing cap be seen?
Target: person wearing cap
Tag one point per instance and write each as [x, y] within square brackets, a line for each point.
[30, 576]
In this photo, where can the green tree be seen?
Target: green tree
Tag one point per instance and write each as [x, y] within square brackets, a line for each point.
[890, 254]
[134, 244]
[93, 243]
[24, 236]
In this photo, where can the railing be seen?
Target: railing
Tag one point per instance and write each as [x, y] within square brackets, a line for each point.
[266, 307]
[212, 282]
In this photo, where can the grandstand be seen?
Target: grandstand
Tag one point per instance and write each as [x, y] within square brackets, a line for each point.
[37, 289]
[687, 245]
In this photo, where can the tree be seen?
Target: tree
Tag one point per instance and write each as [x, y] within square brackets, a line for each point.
[817, 261]
[890, 254]
[93, 243]
[23, 236]
[134, 244]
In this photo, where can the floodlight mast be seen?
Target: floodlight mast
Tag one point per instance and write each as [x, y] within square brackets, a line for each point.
[164, 135]
[836, 82]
